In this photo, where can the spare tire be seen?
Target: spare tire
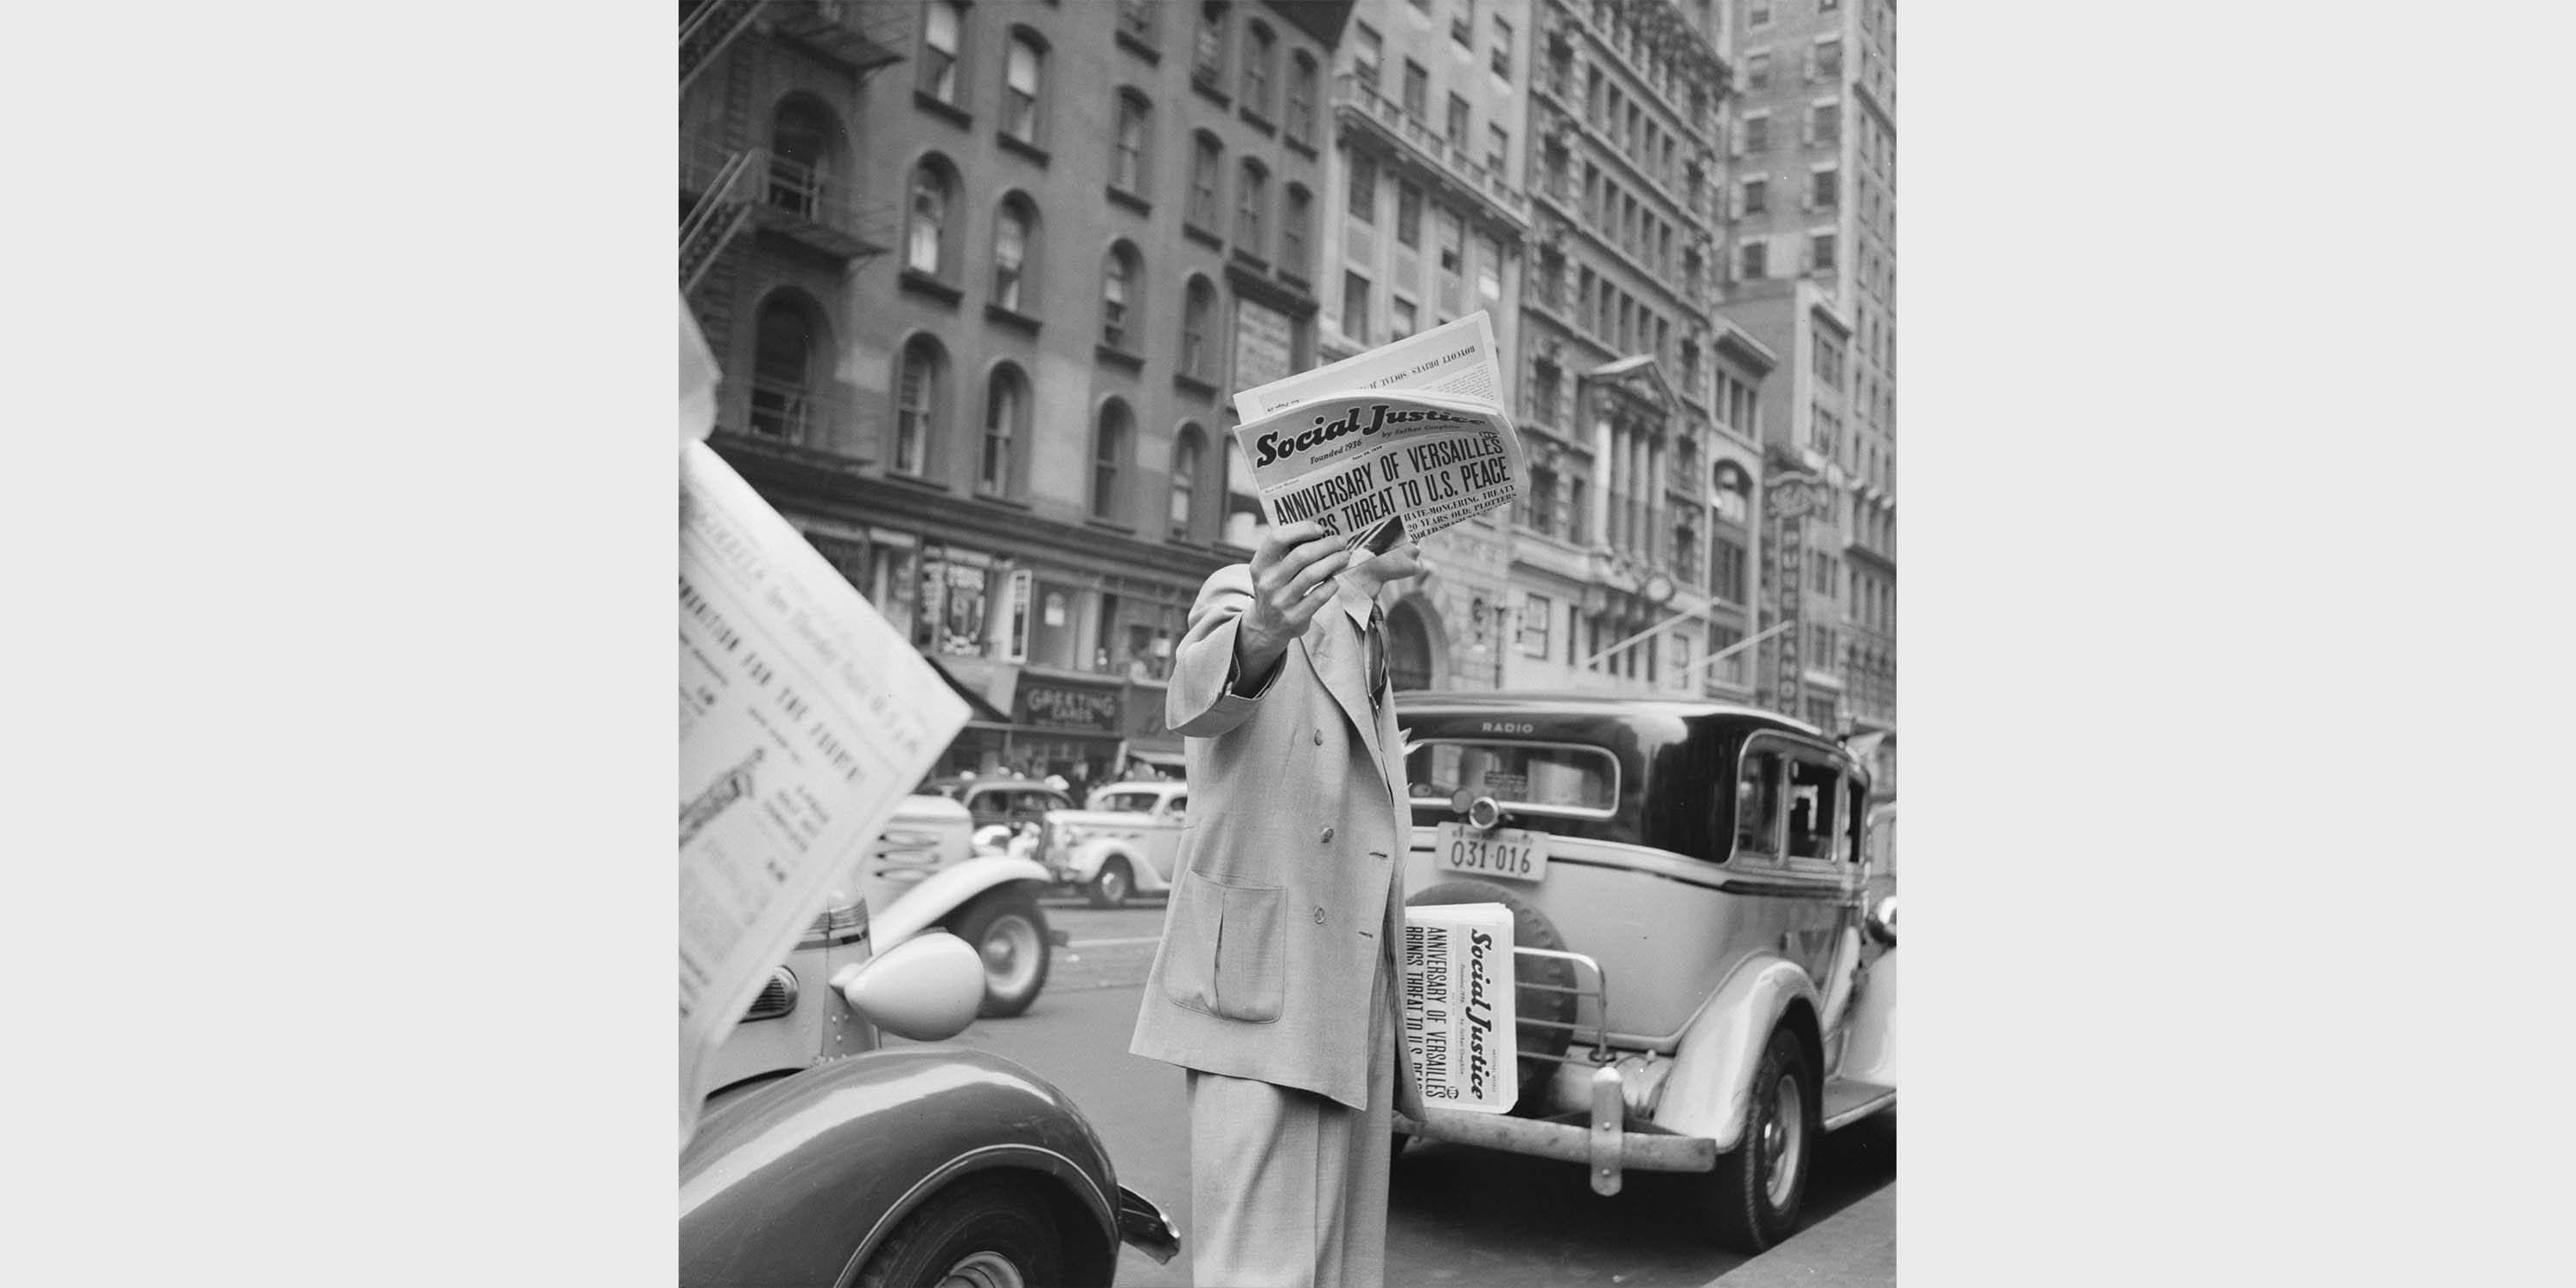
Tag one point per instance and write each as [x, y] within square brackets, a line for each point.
[1540, 1045]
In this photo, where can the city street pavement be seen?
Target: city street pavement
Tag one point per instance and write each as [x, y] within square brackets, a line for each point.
[1853, 1248]
[1458, 1216]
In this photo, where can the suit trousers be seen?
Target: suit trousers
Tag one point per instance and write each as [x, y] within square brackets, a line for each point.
[1288, 1188]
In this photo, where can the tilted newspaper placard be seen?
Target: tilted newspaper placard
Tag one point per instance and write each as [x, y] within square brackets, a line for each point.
[1461, 1022]
[805, 718]
[1394, 443]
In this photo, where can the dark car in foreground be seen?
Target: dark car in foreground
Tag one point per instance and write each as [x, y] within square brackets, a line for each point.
[826, 1158]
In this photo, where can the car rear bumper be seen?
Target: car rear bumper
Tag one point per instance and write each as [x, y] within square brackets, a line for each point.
[1598, 1138]
[1144, 1227]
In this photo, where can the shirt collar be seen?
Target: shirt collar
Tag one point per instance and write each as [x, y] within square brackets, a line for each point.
[1355, 602]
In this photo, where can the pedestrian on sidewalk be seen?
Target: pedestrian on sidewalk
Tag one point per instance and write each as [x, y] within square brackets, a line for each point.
[1275, 986]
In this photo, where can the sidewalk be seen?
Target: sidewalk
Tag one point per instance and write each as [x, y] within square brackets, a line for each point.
[1853, 1248]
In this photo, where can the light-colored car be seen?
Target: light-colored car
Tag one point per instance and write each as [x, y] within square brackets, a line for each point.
[826, 1156]
[923, 873]
[1686, 881]
[1126, 843]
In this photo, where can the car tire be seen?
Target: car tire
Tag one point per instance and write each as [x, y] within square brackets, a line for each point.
[1009, 932]
[985, 1231]
[1540, 1045]
[1755, 1192]
[1110, 886]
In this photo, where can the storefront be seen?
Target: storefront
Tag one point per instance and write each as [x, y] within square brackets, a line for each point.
[1067, 727]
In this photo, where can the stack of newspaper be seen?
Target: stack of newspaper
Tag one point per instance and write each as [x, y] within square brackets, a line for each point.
[1395, 443]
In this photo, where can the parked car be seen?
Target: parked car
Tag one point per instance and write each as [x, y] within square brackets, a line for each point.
[1686, 884]
[1126, 843]
[825, 1158]
[1001, 802]
[1879, 892]
[924, 873]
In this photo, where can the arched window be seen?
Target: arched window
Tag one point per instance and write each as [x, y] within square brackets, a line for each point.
[1251, 201]
[1300, 122]
[1189, 454]
[1256, 68]
[943, 44]
[1198, 314]
[1024, 89]
[1207, 59]
[800, 153]
[926, 241]
[1207, 156]
[1006, 417]
[782, 353]
[1296, 220]
[1122, 316]
[1109, 448]
[920, 404]
[1015, 227]
[1128, 169]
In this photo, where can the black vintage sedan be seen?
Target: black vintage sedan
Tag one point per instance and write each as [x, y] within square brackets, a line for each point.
[829, 1159]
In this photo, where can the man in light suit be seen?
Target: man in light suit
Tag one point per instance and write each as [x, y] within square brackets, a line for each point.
[1276, 986]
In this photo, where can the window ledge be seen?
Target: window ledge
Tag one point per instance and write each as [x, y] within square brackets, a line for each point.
[1135, 44]
[1251, 261]
[1001, 498]
[921, 283]
[1257, 120]
[1121, 197]
[1291, 277]
[1119, 357]
[1109, 525]
[1296, 144]
[1011, 318]
[1014, 143]
[1202, 236]
[943, 109]
[1205, 84]
[1187, 383]
[924, 482]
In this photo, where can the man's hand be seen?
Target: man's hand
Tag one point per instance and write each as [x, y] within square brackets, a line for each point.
[1292, 577]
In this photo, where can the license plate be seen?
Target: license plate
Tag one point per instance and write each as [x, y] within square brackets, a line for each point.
[1511, 853]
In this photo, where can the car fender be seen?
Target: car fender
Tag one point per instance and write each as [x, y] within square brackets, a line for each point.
[1090, 855]
[943, 892]
[1870, 1054]
[802, 1180]
[1713, 1066]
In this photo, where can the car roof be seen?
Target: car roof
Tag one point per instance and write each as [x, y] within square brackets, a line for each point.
[1601, 705]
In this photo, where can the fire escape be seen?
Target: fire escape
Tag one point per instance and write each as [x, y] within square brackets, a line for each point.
[730, 184]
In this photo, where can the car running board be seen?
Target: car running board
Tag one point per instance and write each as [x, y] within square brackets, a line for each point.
[1848, 1100]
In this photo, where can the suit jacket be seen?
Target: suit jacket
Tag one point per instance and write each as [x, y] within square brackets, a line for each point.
[1286, 895]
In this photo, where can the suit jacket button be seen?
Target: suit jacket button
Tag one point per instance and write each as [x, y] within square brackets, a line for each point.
[1319, 915]
[1319, 737]
[1328, 834]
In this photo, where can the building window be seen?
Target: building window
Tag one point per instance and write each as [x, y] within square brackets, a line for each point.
[1136, 20]
[782, 352]
[1187, 451]
[1752, 266]
[1417, 91]
[1537, 613]
[1453, 246]
[1489, 268]
[1458, 125]
[1728, 669]
[1198, 313]
[1686, 552]
[1826, 58]
[1293, 224]
[1820, 252]
[942, 39]
[1127, 171]
[1355, 306]
[1300, 121]
[1006, 409]
[1498, 147]
[1757, 134]
[1367, 53]
[1206, 157]
[1257, 52]
[1462, 24]
[1758, 13]
[1207, 59]
[1826, 125]
[1825, 188]
[1757, 72]
[1108, 460]
[1013, 226]
[1251, 194]
[1120, 289]
[1363, 203]
[1502, 59]
[1757, 196]
[1538, 508]
[925, 241]
[920, 394]
[1726, 569]
[1020, 89]
[1402, 320]
[1408, 215]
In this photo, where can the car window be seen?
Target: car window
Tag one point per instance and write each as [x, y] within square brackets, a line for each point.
[1128, 802]
[1757, 806]
[1814, 803]
[1533, 775]
[1180, 806]
[1856, 819]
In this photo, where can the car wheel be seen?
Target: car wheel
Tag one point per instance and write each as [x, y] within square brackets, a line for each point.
[979, 1233]
[1540, 1045]
[1755, 1192]
[1010, 934]
[1109, 889]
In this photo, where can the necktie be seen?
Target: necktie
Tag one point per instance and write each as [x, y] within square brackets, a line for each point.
[1374, 650]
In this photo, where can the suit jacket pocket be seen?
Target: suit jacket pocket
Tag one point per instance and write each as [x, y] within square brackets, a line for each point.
[1227, 957]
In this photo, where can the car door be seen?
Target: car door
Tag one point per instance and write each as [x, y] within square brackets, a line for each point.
[1163, 843]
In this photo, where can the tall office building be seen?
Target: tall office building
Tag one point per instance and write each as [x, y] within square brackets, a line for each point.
[1811, 251]
[980, 277]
